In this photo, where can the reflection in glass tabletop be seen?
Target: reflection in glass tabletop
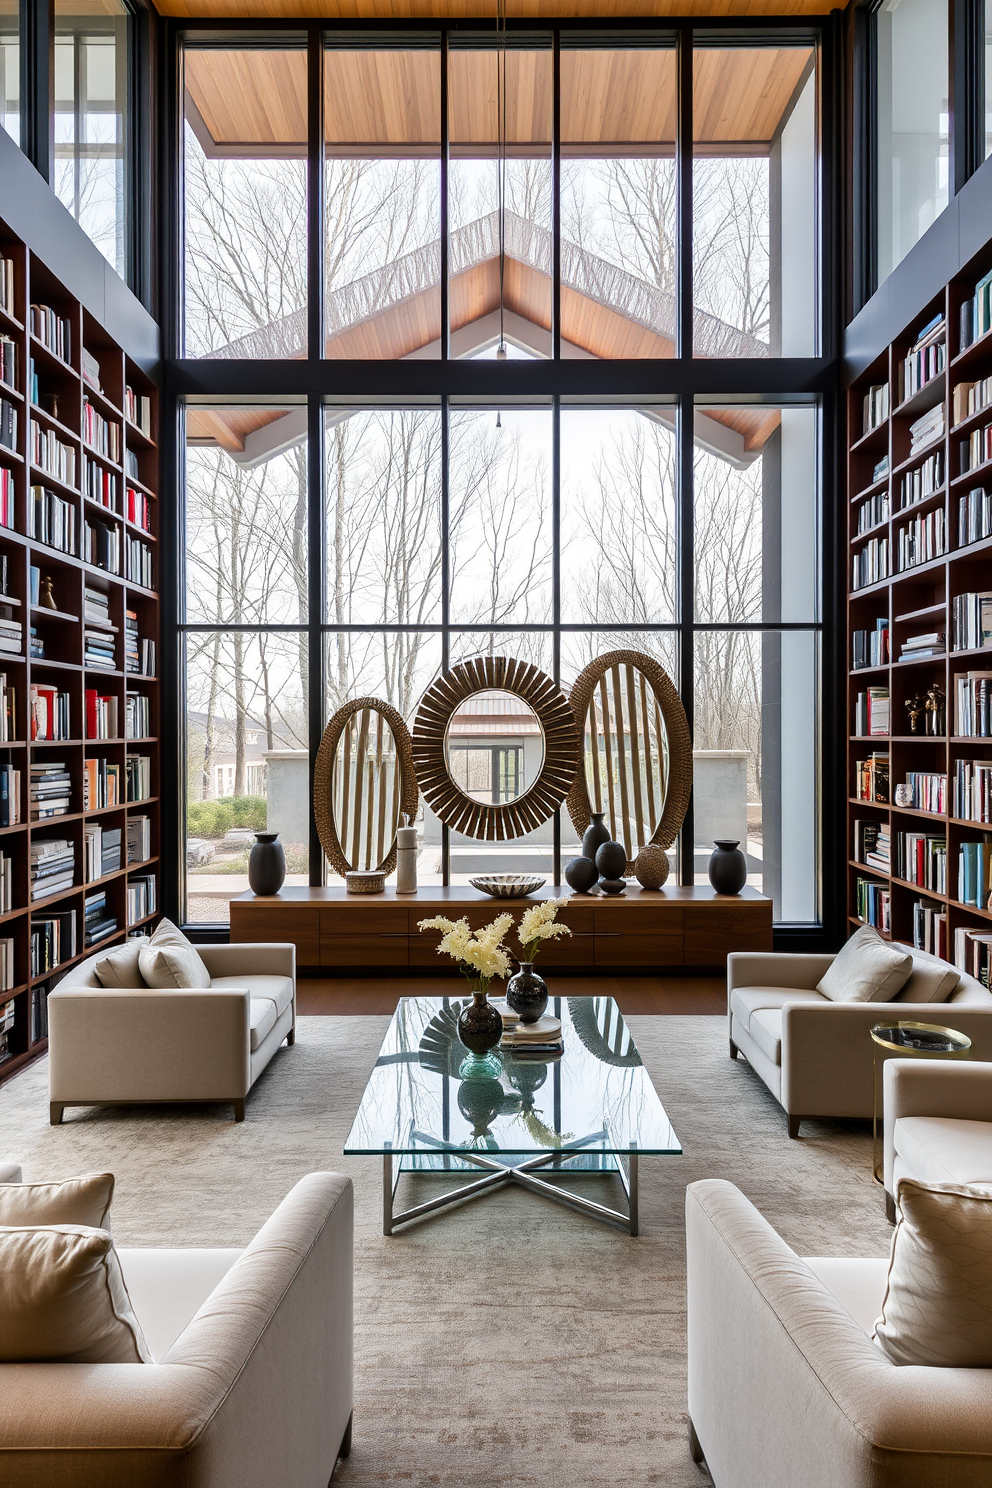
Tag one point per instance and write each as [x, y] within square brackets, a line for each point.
[580, 1111]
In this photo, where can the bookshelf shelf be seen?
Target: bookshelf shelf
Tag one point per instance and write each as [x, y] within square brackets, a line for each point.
[52, 393]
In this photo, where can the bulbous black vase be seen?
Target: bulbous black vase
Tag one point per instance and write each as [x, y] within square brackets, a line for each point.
[611, 860]
[727, 867]
[266, 864]
[527, 993]
[480, 1026]
[581, 874]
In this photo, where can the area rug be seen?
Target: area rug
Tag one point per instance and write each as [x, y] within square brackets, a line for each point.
[509, 1343]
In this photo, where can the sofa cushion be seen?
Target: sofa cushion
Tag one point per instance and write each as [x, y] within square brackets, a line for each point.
[63, 1299]
[937, 1308]
[931, 980]
[119, 967]
[74, 1201]
[169, 960]
[168, 1287]
[766, 1030]
[744, 1001]
[942, 1149]
[866, 969]
[278, 989]
[263, 1020]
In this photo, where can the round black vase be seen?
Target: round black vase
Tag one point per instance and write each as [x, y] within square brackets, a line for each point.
[480, 1026]
[611, 860]
[595, 834]
[527, 993]
[728, 867]
[266, 864]
[581, 874]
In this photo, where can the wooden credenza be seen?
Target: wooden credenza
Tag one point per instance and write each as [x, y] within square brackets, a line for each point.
[642, 930]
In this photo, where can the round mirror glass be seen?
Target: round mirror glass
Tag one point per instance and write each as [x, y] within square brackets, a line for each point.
[494, 747]
[366, 789]
[625, 756]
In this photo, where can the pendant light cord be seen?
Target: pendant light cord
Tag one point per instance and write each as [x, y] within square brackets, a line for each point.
[501, 157]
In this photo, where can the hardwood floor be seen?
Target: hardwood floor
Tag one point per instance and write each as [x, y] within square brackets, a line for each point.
[648, 994]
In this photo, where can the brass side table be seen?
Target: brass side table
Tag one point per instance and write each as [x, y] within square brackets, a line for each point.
[908, 1040]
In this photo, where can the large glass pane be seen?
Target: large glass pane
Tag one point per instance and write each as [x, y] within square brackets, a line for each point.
[618, 516]
[383, 516]
[247, 765]
[754, 249]
[90, 114]
[246, 516]
[618, 200]
[500, 516]
[382, 183]
[10, 68]
[988, 80]
[755, 497]
[500, 197]
[755, 741]
[913, 117]
[245, 135]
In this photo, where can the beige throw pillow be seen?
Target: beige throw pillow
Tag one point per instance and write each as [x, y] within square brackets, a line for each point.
[931, 979]
[63, 1299]
[866, 969]
[74, 1201]
[119, 967]
[937, 1308]
[169, 960]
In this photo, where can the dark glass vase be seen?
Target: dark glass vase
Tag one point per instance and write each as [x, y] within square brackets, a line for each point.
[527, 993]
[266, 864]
[728, 867]
[480, 1026]
[595, 834]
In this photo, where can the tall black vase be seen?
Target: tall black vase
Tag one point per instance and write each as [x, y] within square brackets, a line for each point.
[266, 864]
[728, 867]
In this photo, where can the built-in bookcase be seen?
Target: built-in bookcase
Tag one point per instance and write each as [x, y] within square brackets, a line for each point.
[79, 634]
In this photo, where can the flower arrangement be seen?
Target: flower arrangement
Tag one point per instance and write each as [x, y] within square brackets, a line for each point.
[479, 954]
[538, 925]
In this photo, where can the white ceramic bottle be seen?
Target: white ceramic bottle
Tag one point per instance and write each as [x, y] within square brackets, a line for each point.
[406, 858]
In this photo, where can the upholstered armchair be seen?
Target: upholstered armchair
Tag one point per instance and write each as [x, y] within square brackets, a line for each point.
[938, 1122]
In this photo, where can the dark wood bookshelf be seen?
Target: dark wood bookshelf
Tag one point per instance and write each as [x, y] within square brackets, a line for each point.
[917, 600]
[63, 389]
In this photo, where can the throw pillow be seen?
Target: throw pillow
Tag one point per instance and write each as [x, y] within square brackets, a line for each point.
[63, 1299]
[938, 1299]
[170, 960]
[866, 969]
[119, 967]
[74, 1201]
[931, 979]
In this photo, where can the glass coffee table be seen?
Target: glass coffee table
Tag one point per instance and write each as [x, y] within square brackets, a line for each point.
[590, 1110]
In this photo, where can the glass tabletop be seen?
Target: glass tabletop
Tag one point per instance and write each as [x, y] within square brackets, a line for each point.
[594, 1099]
[920, 1038]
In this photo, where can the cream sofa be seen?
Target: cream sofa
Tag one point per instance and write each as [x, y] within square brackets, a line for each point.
[112, 1047]
[938, 1123]
[815, 1055]
[253, 1384]
[786, 1387]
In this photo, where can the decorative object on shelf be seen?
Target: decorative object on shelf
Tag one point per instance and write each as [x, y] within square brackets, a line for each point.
[47, 597]
[651, 867]
[363, 785]
[581, 874]
[595, 834]
[365, 882]
[636, 761]
[904, 795]
[914, 707]
[479, 955]
[727, 867]
[406, 857]
[507, 885]
[527, 993]
[611, 860]
[933, 707]
[266, 864]
[541, 797]
[613, 885]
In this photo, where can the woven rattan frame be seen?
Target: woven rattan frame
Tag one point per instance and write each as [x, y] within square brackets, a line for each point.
[676, 728]
[561, 748]
[323, 775]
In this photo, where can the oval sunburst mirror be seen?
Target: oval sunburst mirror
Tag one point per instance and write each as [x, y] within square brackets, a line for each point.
[363, 784]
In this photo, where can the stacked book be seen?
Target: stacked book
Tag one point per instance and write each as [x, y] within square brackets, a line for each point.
[870, 565]
[139, 655]
[8, 1017]
[101, 715]
[131, 465]
[139, 839]
[11, 633]
[53, 940]
[137, 509]
[971, 621]
[974, 516]
[96, 607]
[138, 410]
[924, 430]
[973, 790]
[53, 867]
[926, 360]
[98, 920]
[98, 650]
[100, 433]
[969, 398]
[99, 484]
[921, 859]
[8, 361]
[52, 520]
[139, 562]
[928, 791]
[873, 512]
[871, 841]
[872, 776]
[101, 785]
[102, 545]
[973, 952]
[871, 711]
[928, 478]
[872, 903]
[976, 313]
[139, 777]
[49, 712]
[930, 928]
[138, 716]
[975, 873]
[6, 884]
[36, 643]
[920, 647]
[54, 330]
[51, 790]
[8, 423]
[10, 796]
[976, 449]
[90, 369]
[870, 648]
[101, 851]
[50, 454]
[876, 406]
[140, 898]
[7, 285]
[973, 705]
[921, 539]
[7, 976]
[542, 1039]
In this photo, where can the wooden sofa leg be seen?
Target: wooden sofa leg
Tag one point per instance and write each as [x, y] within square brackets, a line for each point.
[890, 1208]
[695, 1450]
[55, 1109]
[239, 1110]
[794, 1125]
[733, 1049]
[291, 1037]
[345, 1448]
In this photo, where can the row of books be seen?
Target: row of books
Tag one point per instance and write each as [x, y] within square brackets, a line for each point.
[926, 479]
[100, 433]
[10, 796]
[6, 497]
[52, 519]
[872, 778]
[137, 716]
[8, 424]
[875, 406]
[52, 867]
[39, 1013]
[921, 859]
[870, 648]
[924, 430]
[973, 790]
[100, 484]
[51, 790]
[871, 711]
[873, 511]
[973, 705]
[138, 769]
[52, 454]
[976, 313]
[131, 465]
[141, 900]
[971, 621]
[926, 359]
[974, 516]
[101, 715]
[872, 903]
[101, 851]
[101, 784]
[98, 920]
[8, 978]
[6, 884]
[975, 873]
[138, 508]
[53, 330]
[921, 539]
[139, 562]
[870, 564]
[969, 398]
[139, 654]
[975, 450]
[102, 545]
[53, 940]
[928, 791]
[7, 1019]
[7, 285]
[138, 839]
[138, 410]
[50, 713]
[8, 361]
[930, 928]
[872, 844]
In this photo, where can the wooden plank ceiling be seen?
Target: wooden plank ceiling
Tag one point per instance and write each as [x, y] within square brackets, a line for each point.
[398, 10]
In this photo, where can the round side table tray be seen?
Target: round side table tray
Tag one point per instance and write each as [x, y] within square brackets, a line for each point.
[908, 1040]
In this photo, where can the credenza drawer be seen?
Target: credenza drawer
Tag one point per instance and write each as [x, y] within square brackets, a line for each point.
[370, 920]
[251, 923]
[638, 950]
[616, 918]
[364, 950]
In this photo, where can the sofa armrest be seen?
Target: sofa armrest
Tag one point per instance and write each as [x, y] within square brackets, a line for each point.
[257, 1390]
[786, 1388]
[107, 1044]
[954, 1088]
[801, 970]
[270, 958]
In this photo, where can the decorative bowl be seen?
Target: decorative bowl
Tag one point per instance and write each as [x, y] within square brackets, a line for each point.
[507, 885]
[368, 882]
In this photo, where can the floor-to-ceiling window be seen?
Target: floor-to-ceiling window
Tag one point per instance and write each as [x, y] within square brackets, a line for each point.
[380, 523]
[10, 68]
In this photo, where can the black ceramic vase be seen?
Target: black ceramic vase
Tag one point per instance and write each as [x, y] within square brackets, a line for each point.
[266, 864]
[527, 993]
[611, 860]
[480, 1026]
[595, 834]
[581, 874]
[728, 867]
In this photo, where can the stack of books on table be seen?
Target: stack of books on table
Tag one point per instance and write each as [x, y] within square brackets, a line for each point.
[50, 790]
[53, 867]
[919, 647]
[99, 922]
[541, 1039]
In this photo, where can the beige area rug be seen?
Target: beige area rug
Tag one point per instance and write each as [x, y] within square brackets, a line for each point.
[508, 1343]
